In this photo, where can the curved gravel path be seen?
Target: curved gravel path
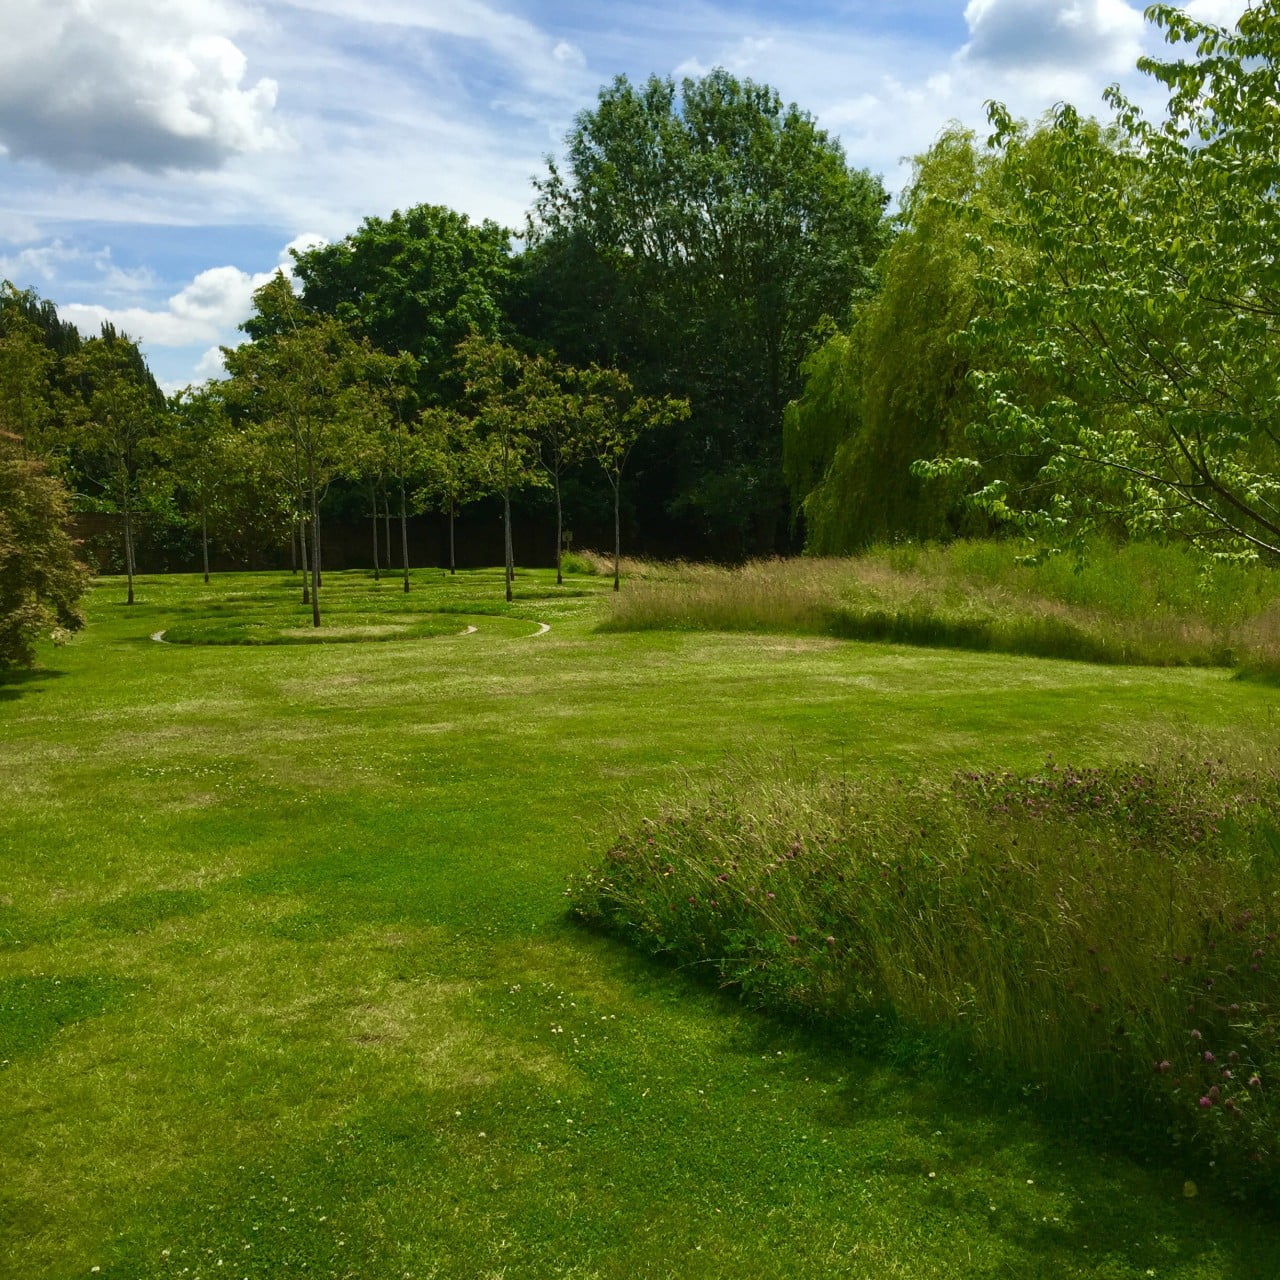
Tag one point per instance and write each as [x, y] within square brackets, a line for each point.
[543, 628]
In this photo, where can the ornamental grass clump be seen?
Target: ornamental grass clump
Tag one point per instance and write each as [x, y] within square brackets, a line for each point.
[1103, 939]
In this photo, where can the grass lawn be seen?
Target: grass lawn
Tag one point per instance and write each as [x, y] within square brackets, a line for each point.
[286, 987]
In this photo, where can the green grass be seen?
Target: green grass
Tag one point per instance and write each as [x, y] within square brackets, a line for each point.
[288, 983]
[1142, 604]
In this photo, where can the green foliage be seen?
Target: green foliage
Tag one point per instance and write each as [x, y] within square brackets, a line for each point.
[893, 389]
[419, 281]
[27, 368]
[1100, 938]
[118, 433]
[17, 305]
[313, 392]
[219, 472]
[709, 229]
[1131, 356]
[455, 469]
[614, 419]
[41, 581]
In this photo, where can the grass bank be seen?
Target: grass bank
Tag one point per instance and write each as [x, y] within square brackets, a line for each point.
[1142, 604]
[1104, 938]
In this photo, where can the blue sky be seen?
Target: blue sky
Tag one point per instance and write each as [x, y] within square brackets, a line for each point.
[159, 157]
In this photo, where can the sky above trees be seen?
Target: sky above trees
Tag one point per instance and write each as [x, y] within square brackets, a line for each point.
[159, 157]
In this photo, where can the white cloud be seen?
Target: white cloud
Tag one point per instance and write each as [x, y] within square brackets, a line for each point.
[569, 54]
[692, 68]
[1222, 13]
[1064, 34]
[207, 310]
[744, 57]
[156, 84]
[57, 260]
[210, 365]
[539, 59]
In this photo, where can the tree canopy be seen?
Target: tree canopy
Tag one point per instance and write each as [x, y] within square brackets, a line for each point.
[419, 281]
[892, 388]
[41, 581]
[694, 238]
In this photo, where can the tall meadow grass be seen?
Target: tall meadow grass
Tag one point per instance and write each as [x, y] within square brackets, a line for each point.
[1140, 604]
[1105, 939]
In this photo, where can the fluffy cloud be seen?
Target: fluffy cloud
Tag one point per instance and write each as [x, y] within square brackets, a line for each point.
[1104, 35]
[57, 260]
[206, 311]
[156, 84]
[542, 63]
[1223, 13]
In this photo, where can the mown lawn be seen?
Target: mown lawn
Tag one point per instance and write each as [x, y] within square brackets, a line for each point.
[286, 987]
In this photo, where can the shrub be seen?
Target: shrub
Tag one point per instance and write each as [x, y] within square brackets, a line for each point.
[1105, 939]
[41, 581]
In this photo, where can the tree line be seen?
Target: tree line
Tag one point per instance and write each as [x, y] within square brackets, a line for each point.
[1065, 329]
[649, 319]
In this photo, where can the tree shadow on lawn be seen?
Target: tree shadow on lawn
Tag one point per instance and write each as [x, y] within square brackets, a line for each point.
[1047, 1186]
[13, 684]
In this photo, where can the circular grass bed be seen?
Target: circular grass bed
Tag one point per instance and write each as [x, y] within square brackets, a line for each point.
[341, 628]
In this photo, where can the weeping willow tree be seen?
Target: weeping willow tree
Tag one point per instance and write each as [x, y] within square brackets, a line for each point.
[893, 389]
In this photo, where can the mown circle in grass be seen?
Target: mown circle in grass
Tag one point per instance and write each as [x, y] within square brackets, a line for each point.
[343, 628]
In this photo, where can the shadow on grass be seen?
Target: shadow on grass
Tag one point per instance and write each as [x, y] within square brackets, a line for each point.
[984, 1157]
[13, 684]
[34, 1009]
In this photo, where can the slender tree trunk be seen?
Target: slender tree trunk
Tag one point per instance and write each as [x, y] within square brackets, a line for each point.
[559, 533]
[128, 538]
[404, 535]
[617, 535]
[306, 568]
[377, 576]
[453, 511]
[386, 509]
[204, 541]
[293, 547]
[511, 560]
[315, 559]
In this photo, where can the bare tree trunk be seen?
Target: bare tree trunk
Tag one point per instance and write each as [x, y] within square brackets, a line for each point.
[128, 538]
[559, 533]
[293, 547]
[404, 535]
[510, 557]
[306, 569]
[373, 493]
[315, 559]
[453, 511]
[617, 536]
[204, 541]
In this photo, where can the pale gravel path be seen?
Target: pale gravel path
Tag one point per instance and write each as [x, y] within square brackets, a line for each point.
[543, 628]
